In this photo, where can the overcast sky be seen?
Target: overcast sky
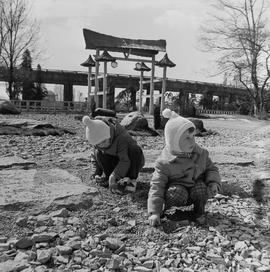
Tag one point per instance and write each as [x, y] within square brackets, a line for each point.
[176, 21]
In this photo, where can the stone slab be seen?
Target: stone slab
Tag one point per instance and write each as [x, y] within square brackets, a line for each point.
[22, 186]
[13, 161]
[29, 123]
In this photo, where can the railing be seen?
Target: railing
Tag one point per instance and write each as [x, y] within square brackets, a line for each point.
[216, 112]
[50, 106]
[77, 107]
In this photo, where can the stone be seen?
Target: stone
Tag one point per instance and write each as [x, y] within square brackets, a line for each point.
[29, 269]
[60, 213]
[6, 107]
[10, 266]
[198, 124]
[24, 242]
[22, 221]
[99, 253]
[142, 269]
[75, 202]
[148, 264]
[13, 126]
[113, 264]
[112, 243]
[14, 161]
[240, 245]
[139, 251]
[132, 223]
[43, 220]
[187, 269]
[64, 250]
[41, 268]
[44, 237]
[135, 121]
[62, 259]
[44, 255]
[40, 229]
[3, 239]
[74, 244]
[194, 248]
[4, 246]
[21, 256]
[163, 269]
[56, 189]
[74, 221]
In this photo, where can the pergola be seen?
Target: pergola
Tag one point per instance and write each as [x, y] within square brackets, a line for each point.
[145, 49]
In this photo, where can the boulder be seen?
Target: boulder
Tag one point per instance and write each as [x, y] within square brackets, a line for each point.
[14, 126]
[198, 124]
[136, 122]
[6, 107]
[200, 129]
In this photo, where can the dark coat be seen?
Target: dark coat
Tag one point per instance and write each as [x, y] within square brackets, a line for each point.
[120, 142]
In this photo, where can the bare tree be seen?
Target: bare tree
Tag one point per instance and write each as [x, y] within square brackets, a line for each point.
[18, 32]
[237, 30]
[3, 32]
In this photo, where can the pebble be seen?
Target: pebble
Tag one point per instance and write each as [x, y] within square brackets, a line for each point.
[227, 240]
[60, 213]
[22, 221]
[43, 256]
[24, 242]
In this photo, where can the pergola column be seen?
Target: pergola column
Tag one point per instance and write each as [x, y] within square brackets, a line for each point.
[164, 62]
[104, 103]
[142, 67]
[110, 97]
[96, 78]
[105, 57]
[133, 90]
[89, 63]
[151, 106]
[68, 91]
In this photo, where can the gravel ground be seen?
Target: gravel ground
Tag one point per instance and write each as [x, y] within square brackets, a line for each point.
[236, 237]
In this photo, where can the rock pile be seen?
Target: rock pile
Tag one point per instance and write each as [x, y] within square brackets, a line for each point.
[59, 241]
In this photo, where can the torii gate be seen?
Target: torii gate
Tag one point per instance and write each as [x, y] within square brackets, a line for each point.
[143, 48]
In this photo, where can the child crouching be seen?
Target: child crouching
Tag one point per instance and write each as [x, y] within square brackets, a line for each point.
[184, 174]
[116, 154]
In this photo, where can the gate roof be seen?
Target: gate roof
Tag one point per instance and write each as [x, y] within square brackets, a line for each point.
[138, 47]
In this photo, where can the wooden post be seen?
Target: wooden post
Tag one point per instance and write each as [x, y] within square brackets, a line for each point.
[163, 89]
[140, 92]
[104, 104]
[89, 87]
[96, 79]
[151, 106]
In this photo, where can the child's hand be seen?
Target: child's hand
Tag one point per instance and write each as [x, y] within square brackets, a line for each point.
[112, 184]
[212, 189]
[154, 220]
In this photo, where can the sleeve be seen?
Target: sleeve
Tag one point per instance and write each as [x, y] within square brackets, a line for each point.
[123, 165]
[96, 170]
[157, 188]
[211, 172]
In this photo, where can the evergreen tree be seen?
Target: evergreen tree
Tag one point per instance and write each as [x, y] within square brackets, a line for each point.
[26, 60]
[28, 88]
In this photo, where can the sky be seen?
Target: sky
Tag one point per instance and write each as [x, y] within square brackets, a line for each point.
[176, 21]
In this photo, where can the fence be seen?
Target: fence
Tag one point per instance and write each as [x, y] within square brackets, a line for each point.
[199, 111]
[44, 106]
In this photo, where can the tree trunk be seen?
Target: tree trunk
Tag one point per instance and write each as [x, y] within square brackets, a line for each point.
[10, 83]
